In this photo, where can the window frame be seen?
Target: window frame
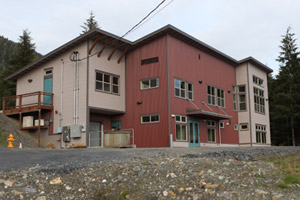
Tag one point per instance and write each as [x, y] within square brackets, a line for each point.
[243, 129]
[258, 81]
[259, 100]
[223, 124]
[211, 125]
[147, 61]
[185, 89]
[111, 82]
[149, 80]
[213, 95]
[150, 116]
[261, 133]
[181, 123]
[237, 96]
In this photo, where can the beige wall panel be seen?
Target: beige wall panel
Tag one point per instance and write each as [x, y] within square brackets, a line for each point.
[37, 75]
[101, 99]
[258, 118]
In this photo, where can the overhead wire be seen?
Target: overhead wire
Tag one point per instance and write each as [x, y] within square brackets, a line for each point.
[135, 27]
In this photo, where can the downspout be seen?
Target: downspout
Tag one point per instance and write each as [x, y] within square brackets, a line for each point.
[220, 137]
[87, 127]
[61, 93]
[75, 87]
[168, 80]
[250, 121]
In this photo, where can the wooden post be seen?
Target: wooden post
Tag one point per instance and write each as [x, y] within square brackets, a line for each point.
[20, 120]
[20, 103]
[39, 129]
[39, 100]
[3, 105]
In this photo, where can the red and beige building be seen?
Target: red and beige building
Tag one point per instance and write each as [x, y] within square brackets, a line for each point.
[167, 89]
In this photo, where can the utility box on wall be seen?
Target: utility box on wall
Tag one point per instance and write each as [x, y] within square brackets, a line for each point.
[28, 121]
[66, 133]
[75, 131]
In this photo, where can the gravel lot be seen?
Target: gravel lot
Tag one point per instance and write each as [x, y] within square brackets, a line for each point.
[178, 173]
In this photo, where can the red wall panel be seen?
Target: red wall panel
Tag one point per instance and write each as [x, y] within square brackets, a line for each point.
[186, 65]
[153, 100]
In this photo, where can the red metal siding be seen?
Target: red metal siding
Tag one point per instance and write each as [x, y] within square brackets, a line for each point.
[153, 100]
[105, 119]
[186, 65]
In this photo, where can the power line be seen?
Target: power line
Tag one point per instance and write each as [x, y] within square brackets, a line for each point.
[142, 19]
[153, 15]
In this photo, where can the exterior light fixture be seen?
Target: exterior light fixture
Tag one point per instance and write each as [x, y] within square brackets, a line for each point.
[29, 80]
[200, 82]
[139, 102]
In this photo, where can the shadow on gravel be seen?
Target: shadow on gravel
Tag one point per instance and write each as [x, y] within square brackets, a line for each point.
[62, 169]
[223, 154]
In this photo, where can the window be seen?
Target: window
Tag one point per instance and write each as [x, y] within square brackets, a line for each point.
[149, 83]
[244, 127]
[236, 127]
[258, 81]
[239, 98]
[107, 83]
[149, 60]
[180, 123]
[147, 119]
[48, 72]
[259, 101]
[221, 124]
[211, 131]
[215, 96]
[261, 134]
[183, 89]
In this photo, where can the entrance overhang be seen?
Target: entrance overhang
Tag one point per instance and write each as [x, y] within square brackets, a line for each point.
[207, 114]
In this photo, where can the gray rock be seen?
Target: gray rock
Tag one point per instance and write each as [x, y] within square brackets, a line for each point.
[31, 190]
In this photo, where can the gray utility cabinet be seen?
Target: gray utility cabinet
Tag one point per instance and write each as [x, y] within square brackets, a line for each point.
[75, 131]
[66, 133]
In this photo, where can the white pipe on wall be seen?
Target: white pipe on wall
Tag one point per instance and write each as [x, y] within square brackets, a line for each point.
[60, 116]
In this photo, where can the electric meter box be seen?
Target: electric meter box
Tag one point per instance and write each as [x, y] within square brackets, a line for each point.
[28, 121]
[75, 131]
[66, 133]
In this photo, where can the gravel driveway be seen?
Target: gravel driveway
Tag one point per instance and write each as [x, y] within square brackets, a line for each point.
[178, 173]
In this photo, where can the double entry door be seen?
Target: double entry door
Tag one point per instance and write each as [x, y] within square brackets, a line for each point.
[194, 133]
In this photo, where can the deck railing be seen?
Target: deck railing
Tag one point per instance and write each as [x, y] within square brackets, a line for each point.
[27, 102]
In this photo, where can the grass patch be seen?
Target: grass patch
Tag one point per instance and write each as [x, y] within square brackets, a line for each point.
[3, 139]
[290, 166]
[292, 179]
[124, 194]
[283, 185]
[260, 176]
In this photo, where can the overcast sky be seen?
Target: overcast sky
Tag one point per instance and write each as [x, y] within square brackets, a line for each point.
[238, 28]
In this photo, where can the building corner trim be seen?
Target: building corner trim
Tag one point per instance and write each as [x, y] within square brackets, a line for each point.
[168, 85]
[250, 119]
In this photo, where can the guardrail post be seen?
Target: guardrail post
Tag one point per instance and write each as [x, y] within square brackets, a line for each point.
[39, 99]
[3, 105]
[20, 102]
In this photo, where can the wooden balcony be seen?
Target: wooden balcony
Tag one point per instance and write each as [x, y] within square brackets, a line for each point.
[29, 102]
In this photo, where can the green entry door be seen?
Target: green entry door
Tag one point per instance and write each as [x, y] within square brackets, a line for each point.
[194, 133]
[47, 88]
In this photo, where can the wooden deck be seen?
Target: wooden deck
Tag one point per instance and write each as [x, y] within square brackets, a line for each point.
[25, 103]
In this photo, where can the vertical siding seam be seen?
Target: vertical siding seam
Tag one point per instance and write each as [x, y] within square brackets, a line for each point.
[250, 121]
[168, 79]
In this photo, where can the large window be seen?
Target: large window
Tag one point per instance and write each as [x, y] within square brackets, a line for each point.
[258, 81]
[259, 101]
[211, 131]
[183, 89]
[180, 123]
[261, 134]
[107, 82]
[215, 96]
[152, 118]
[239, 98]
[149, 83]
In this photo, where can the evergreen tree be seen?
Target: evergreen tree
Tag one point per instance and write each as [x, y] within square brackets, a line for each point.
[24, 55]
[285, 111]
[90, 23]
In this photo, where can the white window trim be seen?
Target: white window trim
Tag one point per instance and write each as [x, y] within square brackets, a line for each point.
[223, 124]
[211, 127]
[215, 96]
[261, 107]
[110, 83]
[181, 123]
[186, 83]
[257, 80]
[241, 129]
[149, 79]
[150, 118]
[262, 130]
